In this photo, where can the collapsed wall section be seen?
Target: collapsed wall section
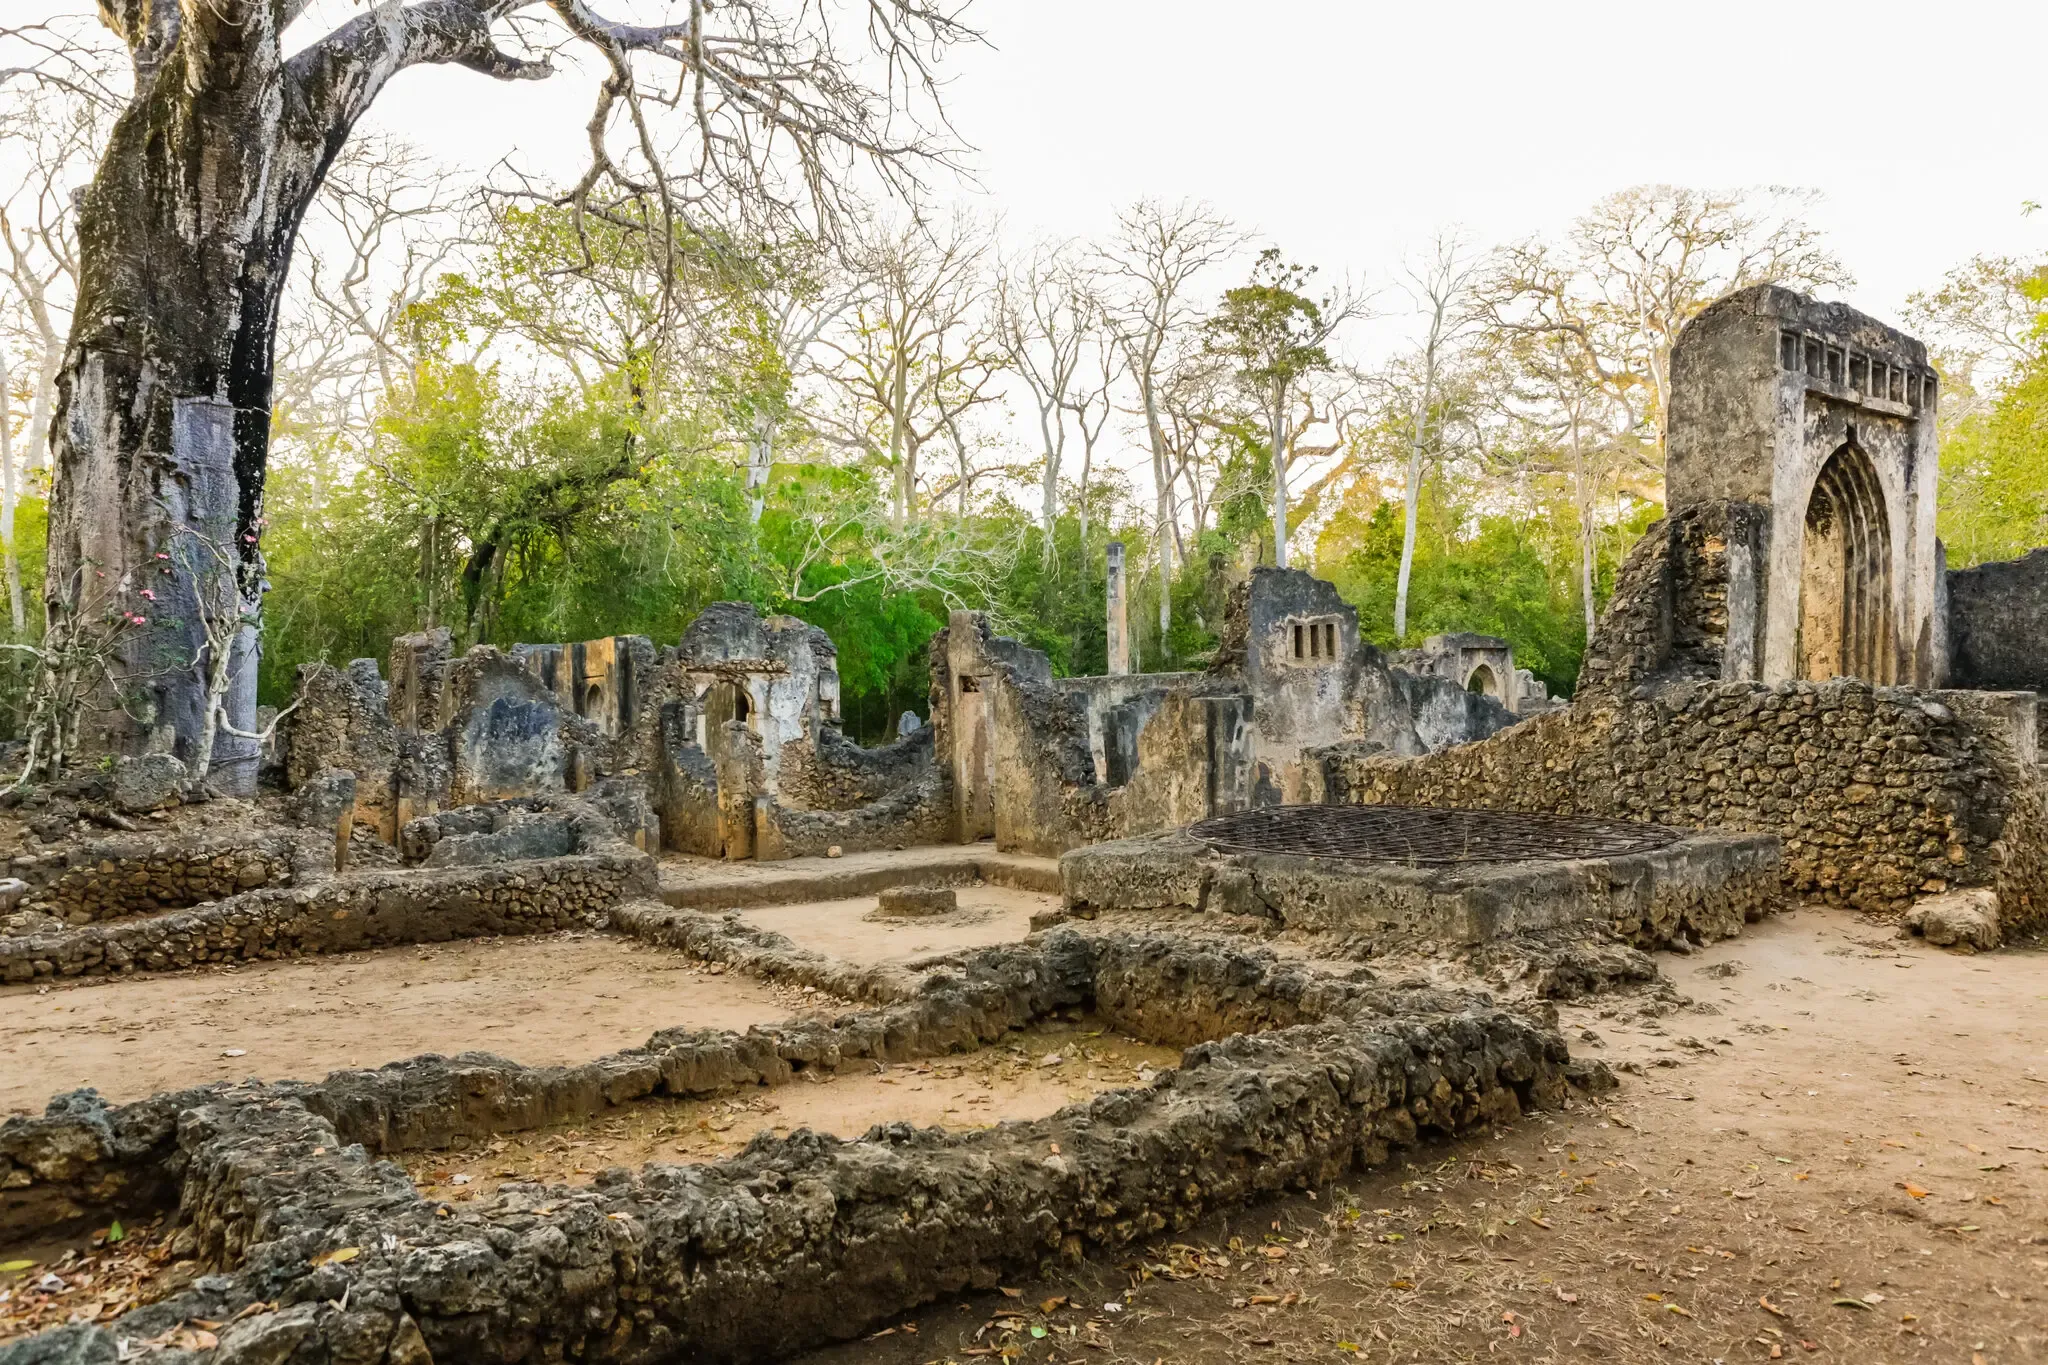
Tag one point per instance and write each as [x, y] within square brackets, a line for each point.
[135, 874]
[516, 868]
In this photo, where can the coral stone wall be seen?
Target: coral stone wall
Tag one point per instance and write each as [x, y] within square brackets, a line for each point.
[1998, 624]
[371, 910]
[118, 877]
[1879, 794]
[832, 773]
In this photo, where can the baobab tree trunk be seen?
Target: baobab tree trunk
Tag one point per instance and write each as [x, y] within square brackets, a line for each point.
[162, 426]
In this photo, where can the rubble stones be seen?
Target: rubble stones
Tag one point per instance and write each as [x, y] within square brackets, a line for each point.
[568, 866]
[109, 879]
[374, 909]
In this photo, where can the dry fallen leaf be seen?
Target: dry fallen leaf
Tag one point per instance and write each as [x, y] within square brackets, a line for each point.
[1769, 1307]
[337, 1256]
[1910, 1188]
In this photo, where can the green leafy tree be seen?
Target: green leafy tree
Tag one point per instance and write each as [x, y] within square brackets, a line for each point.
[1275, 336]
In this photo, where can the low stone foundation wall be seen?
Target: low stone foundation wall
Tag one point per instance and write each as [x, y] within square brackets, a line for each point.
[798, 1240]
[1704, 887]
[136, 874]
[1878, 795]
[372, 909]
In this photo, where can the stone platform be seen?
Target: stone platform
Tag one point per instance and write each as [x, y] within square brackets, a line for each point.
[1702, 886]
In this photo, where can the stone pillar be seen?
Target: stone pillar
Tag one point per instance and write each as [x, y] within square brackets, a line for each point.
[1119, 626]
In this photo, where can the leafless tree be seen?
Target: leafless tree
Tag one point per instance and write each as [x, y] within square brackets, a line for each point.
[1090, 402]
[1655, 255]
[1985, 315]
[1983, 323]
[1150, 269]
[384, 226]
[791, 293]
[10, 496]
[51, 138]
[187, 230]
[1050, 326]
[915, 351]
[1443, 285]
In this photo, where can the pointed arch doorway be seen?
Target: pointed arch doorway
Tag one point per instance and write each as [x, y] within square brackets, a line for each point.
[1845, 577]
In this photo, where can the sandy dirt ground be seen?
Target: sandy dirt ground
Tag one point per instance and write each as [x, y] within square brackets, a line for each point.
[853, 931]
[543, 1000]
[1838, 1152]
[1032, 1073]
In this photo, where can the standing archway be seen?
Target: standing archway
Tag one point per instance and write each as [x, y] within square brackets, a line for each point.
[1845, 577]
[1483, 682]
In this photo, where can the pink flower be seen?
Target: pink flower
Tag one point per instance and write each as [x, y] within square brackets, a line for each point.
[161, 555]
[149, 594]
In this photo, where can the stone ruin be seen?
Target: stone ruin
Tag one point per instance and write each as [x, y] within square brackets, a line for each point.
[1786, 653]
[1788, 695]
[734, 733]
[1478, 663]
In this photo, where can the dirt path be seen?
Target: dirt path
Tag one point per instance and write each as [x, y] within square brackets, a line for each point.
[545, 1000]
[1839, 1153]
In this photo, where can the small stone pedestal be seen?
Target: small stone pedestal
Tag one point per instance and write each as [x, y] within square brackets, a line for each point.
[909, 902]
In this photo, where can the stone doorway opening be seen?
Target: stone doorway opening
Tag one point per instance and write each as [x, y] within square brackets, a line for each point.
[1483, 682]
[1845, 579]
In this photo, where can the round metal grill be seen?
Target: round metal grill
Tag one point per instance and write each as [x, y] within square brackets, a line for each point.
[1424, 836]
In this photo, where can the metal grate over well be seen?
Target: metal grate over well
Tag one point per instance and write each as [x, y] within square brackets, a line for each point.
[1425, 836]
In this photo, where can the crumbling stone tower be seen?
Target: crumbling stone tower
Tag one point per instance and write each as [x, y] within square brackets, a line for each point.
[1802, 450]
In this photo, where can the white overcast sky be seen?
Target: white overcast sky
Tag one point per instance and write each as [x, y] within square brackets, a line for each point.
[1346, 132]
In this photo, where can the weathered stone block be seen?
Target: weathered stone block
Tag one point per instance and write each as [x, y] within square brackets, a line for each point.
[914, 901]
[147, 782]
